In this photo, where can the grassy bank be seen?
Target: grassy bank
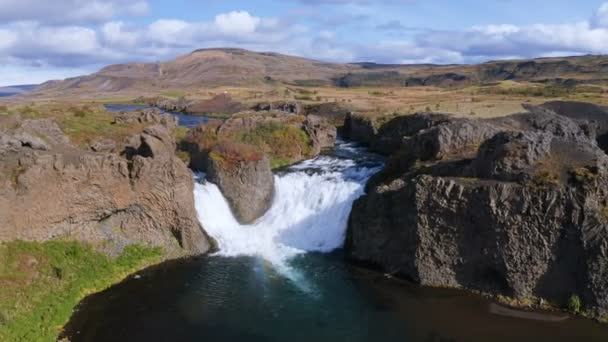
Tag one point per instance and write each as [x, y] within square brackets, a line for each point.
[41, 283]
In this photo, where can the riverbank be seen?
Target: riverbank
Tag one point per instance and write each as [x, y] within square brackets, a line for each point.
[41, 283]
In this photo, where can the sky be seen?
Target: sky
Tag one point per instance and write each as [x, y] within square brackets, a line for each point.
[42, 39]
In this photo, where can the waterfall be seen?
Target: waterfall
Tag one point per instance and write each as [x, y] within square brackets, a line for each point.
[309, 212]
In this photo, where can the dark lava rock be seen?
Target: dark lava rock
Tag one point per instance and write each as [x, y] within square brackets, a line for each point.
[244, 176]
[360, 128]
[292, 107]
[514, 206]
[390, 135]
[322, 134]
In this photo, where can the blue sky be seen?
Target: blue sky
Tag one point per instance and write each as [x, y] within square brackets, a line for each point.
[42, 40]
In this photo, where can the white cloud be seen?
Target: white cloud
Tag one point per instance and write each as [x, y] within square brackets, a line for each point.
[117, 34]
[7, 39]
[237, 23]
[525, 41]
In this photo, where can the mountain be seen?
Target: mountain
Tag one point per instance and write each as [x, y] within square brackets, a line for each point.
[205, 67]
[238, 67]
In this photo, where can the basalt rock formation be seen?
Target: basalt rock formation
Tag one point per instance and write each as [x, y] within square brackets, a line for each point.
[514, 206]
[244, 176]
[50, 189]
[293, 107]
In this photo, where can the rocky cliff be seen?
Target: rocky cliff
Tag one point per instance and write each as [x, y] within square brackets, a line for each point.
[49, 189]
[514, 206]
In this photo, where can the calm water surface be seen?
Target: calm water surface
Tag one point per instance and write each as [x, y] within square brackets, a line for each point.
[244, 299]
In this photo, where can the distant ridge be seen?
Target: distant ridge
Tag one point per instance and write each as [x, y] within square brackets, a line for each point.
[214, 67]
[16, 89]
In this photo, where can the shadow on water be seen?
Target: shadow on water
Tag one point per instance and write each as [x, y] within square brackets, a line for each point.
[244, 299]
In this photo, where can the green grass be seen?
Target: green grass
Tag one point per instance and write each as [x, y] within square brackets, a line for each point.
[283, 143]
[217, 115]
[82, 123]
[174, 93]
[41, 283]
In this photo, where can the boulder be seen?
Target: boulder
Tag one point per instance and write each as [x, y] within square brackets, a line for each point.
[244, 176]
[103, 145]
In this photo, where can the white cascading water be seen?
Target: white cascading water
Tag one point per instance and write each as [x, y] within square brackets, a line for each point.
[309, 212]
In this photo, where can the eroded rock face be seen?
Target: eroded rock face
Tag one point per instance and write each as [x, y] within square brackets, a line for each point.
[244, 176]
[360, 128]
[322, 134]
[144, 196]
[521, 216]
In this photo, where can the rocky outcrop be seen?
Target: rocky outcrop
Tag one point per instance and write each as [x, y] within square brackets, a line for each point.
[523, 215]
[245, 178]
[279, 135]
[322, 134]
[292, 107]
[170, 104]
[595, 116]
[144, 196]
[360, 128]
[332, 111]
[219, 104]
[147, 116]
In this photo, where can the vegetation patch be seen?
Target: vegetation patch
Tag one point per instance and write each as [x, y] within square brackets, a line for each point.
[82, 123]
[283, 143]
[41, 283]
[583, 175]
[229, 154]
[574, 303]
